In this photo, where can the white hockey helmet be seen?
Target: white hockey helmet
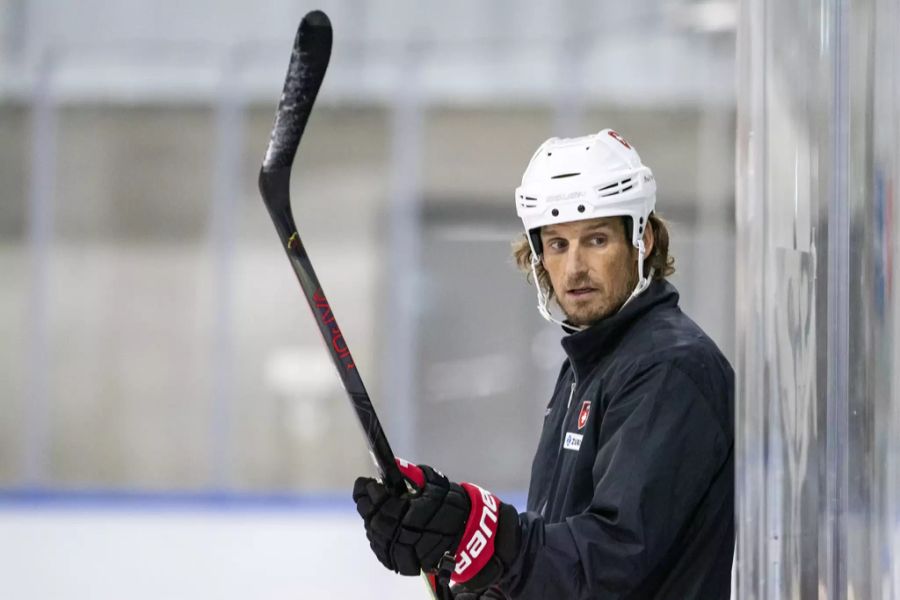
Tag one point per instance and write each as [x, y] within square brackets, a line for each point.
[573, 179]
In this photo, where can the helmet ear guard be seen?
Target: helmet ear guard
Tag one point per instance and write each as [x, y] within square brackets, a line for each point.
[534, 240]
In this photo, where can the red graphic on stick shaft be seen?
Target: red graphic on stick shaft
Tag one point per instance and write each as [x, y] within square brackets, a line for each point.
[337, 338]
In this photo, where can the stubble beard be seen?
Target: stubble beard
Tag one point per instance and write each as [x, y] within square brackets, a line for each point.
[608, 301]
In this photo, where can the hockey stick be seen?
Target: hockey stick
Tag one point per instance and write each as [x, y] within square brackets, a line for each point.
[309, 60]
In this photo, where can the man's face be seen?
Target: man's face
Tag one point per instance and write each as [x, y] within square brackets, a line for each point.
[592, 266]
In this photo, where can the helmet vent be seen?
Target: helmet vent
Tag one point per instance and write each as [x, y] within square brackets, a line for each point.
[616, 188]
[530, 202]
[564, 175]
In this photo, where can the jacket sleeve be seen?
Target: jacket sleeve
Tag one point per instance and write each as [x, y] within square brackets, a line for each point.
[660, 445]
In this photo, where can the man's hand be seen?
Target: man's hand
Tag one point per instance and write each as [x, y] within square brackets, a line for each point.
[440, 526]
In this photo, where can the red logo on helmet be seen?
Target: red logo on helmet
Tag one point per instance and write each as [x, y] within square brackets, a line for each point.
[614, 135]
[583, 415]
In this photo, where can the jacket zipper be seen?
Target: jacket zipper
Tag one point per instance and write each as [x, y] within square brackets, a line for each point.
[559, 447]
[568, 407]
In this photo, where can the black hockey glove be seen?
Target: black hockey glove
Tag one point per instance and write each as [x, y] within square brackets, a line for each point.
[460, 531]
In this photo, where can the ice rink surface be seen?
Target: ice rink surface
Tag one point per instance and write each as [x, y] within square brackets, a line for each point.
[174, 553]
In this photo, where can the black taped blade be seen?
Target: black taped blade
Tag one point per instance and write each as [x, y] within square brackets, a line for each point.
[309, 60]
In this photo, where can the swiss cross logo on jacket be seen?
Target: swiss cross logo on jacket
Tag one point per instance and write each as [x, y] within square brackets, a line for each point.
[583, 415]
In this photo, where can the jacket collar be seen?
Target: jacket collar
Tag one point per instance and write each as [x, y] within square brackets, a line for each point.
[585, 348]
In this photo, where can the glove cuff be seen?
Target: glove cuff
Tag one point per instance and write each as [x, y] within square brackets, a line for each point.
[489, 543]
[476, 547]
[506, 548]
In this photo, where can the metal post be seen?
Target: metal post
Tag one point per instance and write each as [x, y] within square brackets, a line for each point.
[40, 232]
[569, 101]
[226, 183]
[838, 329]
[404, 250]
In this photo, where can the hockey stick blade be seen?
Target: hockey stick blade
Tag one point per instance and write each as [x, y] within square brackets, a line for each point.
[306, 70]
[309, 60]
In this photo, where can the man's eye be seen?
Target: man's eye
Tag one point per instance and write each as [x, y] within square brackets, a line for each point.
[557, 244]
[598, 240]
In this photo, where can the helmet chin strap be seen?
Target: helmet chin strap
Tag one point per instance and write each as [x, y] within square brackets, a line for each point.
[643, 282]
[544, 297]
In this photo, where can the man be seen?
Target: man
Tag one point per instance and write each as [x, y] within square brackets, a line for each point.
[632, 485]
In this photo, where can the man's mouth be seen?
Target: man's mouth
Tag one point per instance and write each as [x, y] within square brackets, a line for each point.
[580, 292]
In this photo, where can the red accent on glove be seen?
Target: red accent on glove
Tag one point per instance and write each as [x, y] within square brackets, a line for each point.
[477, 544]
[411, 472]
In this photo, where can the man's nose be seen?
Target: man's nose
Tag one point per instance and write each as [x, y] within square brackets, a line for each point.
[575, 263]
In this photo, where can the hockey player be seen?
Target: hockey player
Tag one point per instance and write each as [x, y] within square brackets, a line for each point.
[632, 485]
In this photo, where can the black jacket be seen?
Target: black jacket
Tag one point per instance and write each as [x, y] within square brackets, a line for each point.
[632, 485]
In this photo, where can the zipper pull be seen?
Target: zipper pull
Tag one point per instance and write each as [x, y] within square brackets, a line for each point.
[571, 393]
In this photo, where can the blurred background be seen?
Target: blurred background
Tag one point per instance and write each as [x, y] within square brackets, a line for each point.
[166, 406]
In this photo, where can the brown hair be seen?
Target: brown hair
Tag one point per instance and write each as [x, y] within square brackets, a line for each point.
[662, 263]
